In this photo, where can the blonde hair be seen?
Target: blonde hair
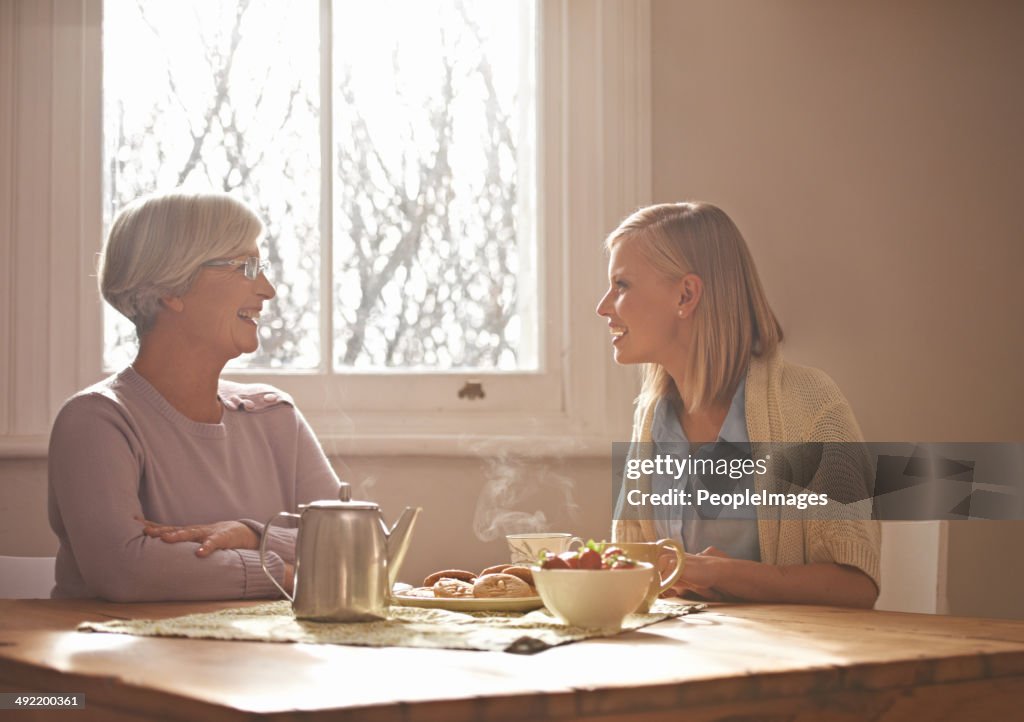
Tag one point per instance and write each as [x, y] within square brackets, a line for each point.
[157, 245]
[732, 321]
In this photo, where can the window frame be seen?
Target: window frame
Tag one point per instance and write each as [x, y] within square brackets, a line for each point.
[594, 129]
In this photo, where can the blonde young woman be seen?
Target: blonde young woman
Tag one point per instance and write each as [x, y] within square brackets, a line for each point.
[159, 473]
[684, 300]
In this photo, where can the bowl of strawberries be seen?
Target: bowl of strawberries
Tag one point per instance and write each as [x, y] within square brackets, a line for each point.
[594, 587]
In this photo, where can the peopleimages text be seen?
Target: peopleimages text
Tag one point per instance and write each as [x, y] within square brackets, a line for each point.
[703, 497]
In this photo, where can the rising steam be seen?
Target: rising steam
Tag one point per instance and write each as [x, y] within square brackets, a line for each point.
[510, 487]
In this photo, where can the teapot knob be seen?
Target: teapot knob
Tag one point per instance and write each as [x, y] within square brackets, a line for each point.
[344, 492]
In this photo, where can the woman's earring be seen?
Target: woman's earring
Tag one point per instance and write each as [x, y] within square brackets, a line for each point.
[680, 313]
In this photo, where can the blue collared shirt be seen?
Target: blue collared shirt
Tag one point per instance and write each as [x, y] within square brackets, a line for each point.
[734, 531]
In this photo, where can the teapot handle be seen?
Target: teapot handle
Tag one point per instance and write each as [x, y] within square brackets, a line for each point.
[263, 552]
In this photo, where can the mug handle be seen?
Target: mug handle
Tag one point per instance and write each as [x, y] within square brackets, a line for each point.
[263, 552]
[675, 546]
[574, 540]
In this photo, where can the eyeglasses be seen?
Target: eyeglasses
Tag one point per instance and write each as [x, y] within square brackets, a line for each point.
[252, 266]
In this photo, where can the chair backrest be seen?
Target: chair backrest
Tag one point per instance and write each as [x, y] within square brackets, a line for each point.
[26, 577]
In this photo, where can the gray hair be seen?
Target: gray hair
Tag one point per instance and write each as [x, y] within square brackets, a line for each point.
[158, 244]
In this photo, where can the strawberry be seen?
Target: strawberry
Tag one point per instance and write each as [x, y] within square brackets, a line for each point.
[572, 559]
[590, 559]
[550, 560]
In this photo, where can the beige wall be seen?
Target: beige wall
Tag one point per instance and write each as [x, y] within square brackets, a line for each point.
[24, 530]
[871, 153]
[983, 571]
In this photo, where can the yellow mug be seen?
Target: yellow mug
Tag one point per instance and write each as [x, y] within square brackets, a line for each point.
[649, 552]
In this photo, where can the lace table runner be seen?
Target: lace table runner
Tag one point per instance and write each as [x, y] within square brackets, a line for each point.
[407, 627]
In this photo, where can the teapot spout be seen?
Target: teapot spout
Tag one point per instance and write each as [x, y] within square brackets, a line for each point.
[398, 541]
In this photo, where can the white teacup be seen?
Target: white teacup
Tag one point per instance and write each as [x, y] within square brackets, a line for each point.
[527, 548]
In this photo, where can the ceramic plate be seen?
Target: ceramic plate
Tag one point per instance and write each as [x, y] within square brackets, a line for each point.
[470, 604]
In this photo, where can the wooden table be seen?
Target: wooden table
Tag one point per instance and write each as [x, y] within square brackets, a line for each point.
[731, 662]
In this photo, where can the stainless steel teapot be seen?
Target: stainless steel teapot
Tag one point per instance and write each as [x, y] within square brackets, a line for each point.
[346, 559]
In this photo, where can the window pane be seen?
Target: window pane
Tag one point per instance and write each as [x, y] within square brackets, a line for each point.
[434, 185]
[222, 95]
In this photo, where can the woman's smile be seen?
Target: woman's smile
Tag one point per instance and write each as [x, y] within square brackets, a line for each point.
[250, 315]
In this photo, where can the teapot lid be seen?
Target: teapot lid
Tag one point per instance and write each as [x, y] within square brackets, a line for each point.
[344, 501]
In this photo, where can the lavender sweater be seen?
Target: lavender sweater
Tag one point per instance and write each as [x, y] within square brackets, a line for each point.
[119, 450]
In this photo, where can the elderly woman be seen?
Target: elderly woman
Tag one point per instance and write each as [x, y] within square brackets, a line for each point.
[159, 473]
[684, 299]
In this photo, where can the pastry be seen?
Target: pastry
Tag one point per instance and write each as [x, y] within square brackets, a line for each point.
[450, 588]
[524, 573]
[460, 574]
[496, 569]
[492, 586]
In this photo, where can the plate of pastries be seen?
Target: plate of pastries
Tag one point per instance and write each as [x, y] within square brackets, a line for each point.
[499, 588]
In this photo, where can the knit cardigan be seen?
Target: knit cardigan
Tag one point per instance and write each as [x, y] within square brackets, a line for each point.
[790, 403]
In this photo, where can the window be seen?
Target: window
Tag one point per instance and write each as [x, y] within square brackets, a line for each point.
[221, 96]
[427, 156]
[589, 166]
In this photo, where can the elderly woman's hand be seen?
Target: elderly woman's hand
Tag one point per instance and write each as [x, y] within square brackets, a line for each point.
[701, 573]
[210, 537]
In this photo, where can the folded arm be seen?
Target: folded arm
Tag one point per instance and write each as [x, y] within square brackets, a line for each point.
[95, 472]
[714, 575]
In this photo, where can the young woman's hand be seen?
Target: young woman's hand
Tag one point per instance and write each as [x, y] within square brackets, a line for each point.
[701, 573]
[715, 576]
[210, 537]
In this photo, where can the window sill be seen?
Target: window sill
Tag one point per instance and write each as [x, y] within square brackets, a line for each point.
[28, 446]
